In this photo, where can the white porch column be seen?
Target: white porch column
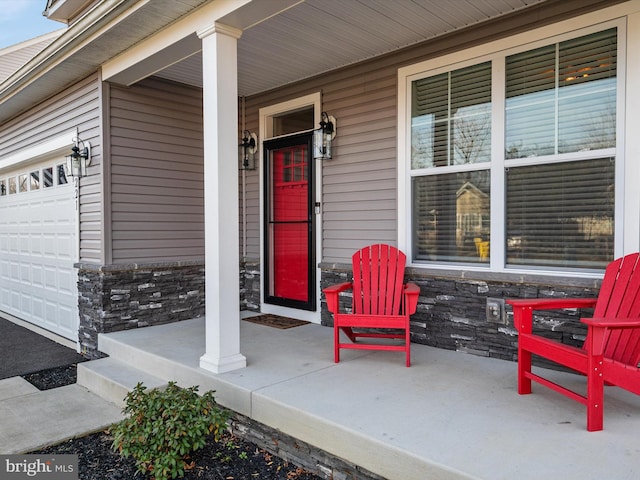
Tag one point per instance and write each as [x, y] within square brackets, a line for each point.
[222, 277]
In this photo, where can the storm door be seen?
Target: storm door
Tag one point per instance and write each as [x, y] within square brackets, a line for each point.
[289, 217]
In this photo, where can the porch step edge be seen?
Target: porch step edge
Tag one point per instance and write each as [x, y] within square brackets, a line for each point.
[112, 379]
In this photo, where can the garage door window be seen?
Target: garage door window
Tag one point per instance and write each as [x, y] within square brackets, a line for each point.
[47, 177]
[34, 180]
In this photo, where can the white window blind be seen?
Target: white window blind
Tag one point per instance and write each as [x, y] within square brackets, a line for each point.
[561, 214]
[562, 98]
[451, 127]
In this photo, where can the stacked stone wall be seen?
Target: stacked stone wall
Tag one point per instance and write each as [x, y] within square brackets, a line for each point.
[452, 311]
[113, 298]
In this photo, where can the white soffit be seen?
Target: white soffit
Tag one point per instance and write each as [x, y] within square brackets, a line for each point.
[316, 36]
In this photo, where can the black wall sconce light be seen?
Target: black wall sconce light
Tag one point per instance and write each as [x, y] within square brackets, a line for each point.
[79, 159]
[247, 150]
[323, 137]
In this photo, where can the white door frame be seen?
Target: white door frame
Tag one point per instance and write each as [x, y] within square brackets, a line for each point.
[266, 116]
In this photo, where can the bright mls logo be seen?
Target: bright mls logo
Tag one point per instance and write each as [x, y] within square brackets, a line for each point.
[49, 467]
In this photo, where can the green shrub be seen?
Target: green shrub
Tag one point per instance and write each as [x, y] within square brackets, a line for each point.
[164, 426]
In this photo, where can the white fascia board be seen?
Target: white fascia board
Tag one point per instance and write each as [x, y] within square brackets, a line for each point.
[40, 151]
[143, 59]
[70, 41]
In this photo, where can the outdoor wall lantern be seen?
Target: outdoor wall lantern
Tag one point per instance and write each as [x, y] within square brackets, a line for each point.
[79, 159]
[323, 136]
[248, 148]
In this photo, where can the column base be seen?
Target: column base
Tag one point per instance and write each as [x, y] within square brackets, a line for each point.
[222, 365]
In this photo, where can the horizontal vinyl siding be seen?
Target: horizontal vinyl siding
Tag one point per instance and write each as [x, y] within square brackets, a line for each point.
[359, 186]
[157, 168]
[76, 107]
[15, 56]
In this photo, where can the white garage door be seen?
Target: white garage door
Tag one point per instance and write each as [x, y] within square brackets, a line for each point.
[38, 244]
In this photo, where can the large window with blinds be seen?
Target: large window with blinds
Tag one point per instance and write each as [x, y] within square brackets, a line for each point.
[553, 160]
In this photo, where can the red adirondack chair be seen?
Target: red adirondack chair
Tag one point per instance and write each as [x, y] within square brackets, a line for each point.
[380, 301]
[611, 351]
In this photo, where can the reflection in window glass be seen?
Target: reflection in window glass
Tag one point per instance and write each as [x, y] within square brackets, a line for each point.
[292, 122]
[34, 180]
[561, 214]
[451, 118]
[47, 177]
[13, 186]
[451, 217]
[3, 187]
[22, 183]
[562, 98]
[62, 176]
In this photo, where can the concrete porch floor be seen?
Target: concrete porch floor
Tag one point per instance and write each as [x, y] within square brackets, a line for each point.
[449, 416]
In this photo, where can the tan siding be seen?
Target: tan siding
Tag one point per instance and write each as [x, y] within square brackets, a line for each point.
[359, 186]
[76, 107]
[157, 167]
[15, 56]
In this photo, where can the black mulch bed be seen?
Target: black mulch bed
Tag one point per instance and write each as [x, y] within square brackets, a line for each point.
[230, 459]
[53, 377]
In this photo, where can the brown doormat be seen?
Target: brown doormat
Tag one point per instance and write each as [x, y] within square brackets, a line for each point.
[275, 321]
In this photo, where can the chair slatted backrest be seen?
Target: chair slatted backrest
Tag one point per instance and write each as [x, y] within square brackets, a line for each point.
[619, 297]
[378, 275]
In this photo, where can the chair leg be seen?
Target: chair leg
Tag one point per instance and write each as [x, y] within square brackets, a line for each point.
[336, 344]
[407, 344]
[595, 397]
[524, 367]
[349, 332]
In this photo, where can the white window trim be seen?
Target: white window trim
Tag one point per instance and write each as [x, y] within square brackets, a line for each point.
[627, 201]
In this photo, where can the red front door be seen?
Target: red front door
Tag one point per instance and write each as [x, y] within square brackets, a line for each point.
[289, 223]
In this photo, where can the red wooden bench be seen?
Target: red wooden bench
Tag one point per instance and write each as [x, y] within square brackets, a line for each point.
[380, 301]
[611, 351]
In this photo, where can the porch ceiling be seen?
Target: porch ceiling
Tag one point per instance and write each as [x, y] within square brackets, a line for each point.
[316, 36]
[306, 38]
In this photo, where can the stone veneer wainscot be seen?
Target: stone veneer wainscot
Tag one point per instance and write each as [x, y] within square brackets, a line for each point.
[120, 297]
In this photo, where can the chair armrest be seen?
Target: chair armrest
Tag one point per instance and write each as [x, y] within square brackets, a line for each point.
[552, 303]
[411, 293]
[612, 323]
[523, 308]
[332, 295]
[597, 336]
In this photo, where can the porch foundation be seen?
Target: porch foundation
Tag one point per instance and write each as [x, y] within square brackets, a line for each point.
[250, 285]
[121, 297]
[452, 309]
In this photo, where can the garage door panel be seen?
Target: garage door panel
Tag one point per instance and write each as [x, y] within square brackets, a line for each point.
[37, 309]
[25, 303]
[65, 281]
[38, 247]
[36, 276]
[50, 279]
